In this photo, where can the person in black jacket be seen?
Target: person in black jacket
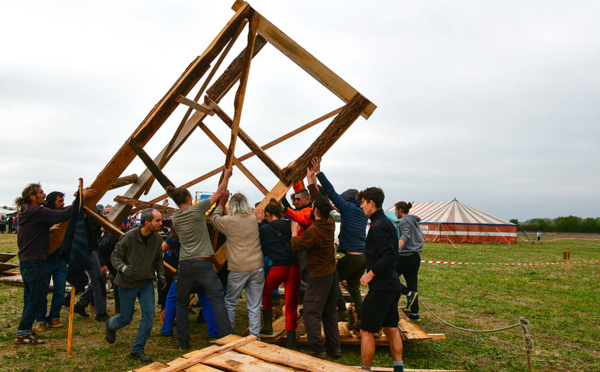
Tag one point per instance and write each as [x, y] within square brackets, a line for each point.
[275, 234]
[380, 306]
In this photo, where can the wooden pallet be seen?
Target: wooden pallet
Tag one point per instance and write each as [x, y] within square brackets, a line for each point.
[409, 331]
[4, 257]
[6, 266]
[234, 353]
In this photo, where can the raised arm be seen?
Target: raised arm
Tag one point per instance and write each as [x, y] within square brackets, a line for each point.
[222, 186]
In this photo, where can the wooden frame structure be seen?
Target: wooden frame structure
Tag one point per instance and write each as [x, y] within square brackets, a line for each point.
[261, 32]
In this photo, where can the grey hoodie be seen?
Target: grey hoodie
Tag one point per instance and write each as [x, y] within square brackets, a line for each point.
[410, 232]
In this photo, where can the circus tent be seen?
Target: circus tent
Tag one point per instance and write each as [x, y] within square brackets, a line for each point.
[455, 222]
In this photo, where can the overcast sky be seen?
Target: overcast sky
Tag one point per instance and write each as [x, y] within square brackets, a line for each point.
[494, 103]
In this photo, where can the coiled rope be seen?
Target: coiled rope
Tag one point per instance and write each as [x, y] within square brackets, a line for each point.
[523, 323]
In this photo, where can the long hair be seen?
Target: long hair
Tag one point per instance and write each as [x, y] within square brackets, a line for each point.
[51, 198]
[238, 204]
[24, 199]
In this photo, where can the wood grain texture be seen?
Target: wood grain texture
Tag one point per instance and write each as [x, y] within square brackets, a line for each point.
[297, 170]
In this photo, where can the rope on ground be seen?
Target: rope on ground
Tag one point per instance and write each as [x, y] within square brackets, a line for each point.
[523, 323]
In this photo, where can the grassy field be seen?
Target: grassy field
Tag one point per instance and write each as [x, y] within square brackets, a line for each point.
[563, 313]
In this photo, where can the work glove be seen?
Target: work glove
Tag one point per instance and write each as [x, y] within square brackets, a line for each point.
[162, 282]
[128, 271]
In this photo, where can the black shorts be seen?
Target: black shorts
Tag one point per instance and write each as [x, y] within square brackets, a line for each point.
[379, 309]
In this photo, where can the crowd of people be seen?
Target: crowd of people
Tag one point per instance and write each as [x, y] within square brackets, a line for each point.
[278, 244]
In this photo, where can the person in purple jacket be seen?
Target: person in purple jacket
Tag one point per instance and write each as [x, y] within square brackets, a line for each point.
[33, 239]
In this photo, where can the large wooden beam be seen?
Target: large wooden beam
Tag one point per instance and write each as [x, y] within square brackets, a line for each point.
[164, 108]
[241, 92]
[266, 159]
[297, 170]
[143, 205]
[306, 61]
[156, 172]
[103, 221]
[217, 91]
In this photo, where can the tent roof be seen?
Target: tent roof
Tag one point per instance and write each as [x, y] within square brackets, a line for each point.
[7, 212]
[453, 212]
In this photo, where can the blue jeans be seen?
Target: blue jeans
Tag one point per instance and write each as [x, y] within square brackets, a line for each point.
[170, 311]
[57, 270]
[145, 296]
[35, 282]
[253, 281]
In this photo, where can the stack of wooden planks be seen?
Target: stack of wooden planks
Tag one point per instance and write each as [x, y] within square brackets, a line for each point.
[234, 353]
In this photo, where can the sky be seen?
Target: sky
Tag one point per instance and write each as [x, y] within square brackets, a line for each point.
[493, 103]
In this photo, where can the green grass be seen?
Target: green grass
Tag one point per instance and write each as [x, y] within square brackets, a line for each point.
[563, 314]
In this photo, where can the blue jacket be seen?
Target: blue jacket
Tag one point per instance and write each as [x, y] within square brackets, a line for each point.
[353, 220]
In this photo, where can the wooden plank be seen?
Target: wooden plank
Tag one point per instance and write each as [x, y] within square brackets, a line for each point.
[209, 353]
[154, 367]
[241, 92]
[4, 257]
[217, 91]
[410, 330]
[156, 171]
[6, 266]
[237, 362]
[297, 170]
[309, 63]
[114, 230]
[237, 163]
[194, 105]
[276, 192]
[201, 368]
[164, 108]
[144, 205]
[290, 358]
[124, 181]
[253, 146]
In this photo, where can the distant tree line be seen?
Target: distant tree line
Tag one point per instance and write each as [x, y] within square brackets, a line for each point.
[561, 224]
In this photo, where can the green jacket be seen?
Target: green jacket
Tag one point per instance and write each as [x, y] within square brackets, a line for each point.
[144, 259]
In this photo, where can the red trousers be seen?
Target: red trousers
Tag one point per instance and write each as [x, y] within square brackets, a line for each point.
[290, 276]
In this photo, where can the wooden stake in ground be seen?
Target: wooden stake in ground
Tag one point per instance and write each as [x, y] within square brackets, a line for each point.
[71, 311]
[566, 257]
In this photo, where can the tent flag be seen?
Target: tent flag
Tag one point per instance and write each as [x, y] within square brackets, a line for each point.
[75, 248]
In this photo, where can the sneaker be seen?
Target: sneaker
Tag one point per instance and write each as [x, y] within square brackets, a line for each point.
[56, 324]
[141, 356]
[79, 309]
[411, 297]
[110, 335]
[40, 327]
[415, 317]
[334, 353]
[318, 354]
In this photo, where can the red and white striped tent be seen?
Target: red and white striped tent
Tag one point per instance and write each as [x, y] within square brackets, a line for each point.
[455, 222]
